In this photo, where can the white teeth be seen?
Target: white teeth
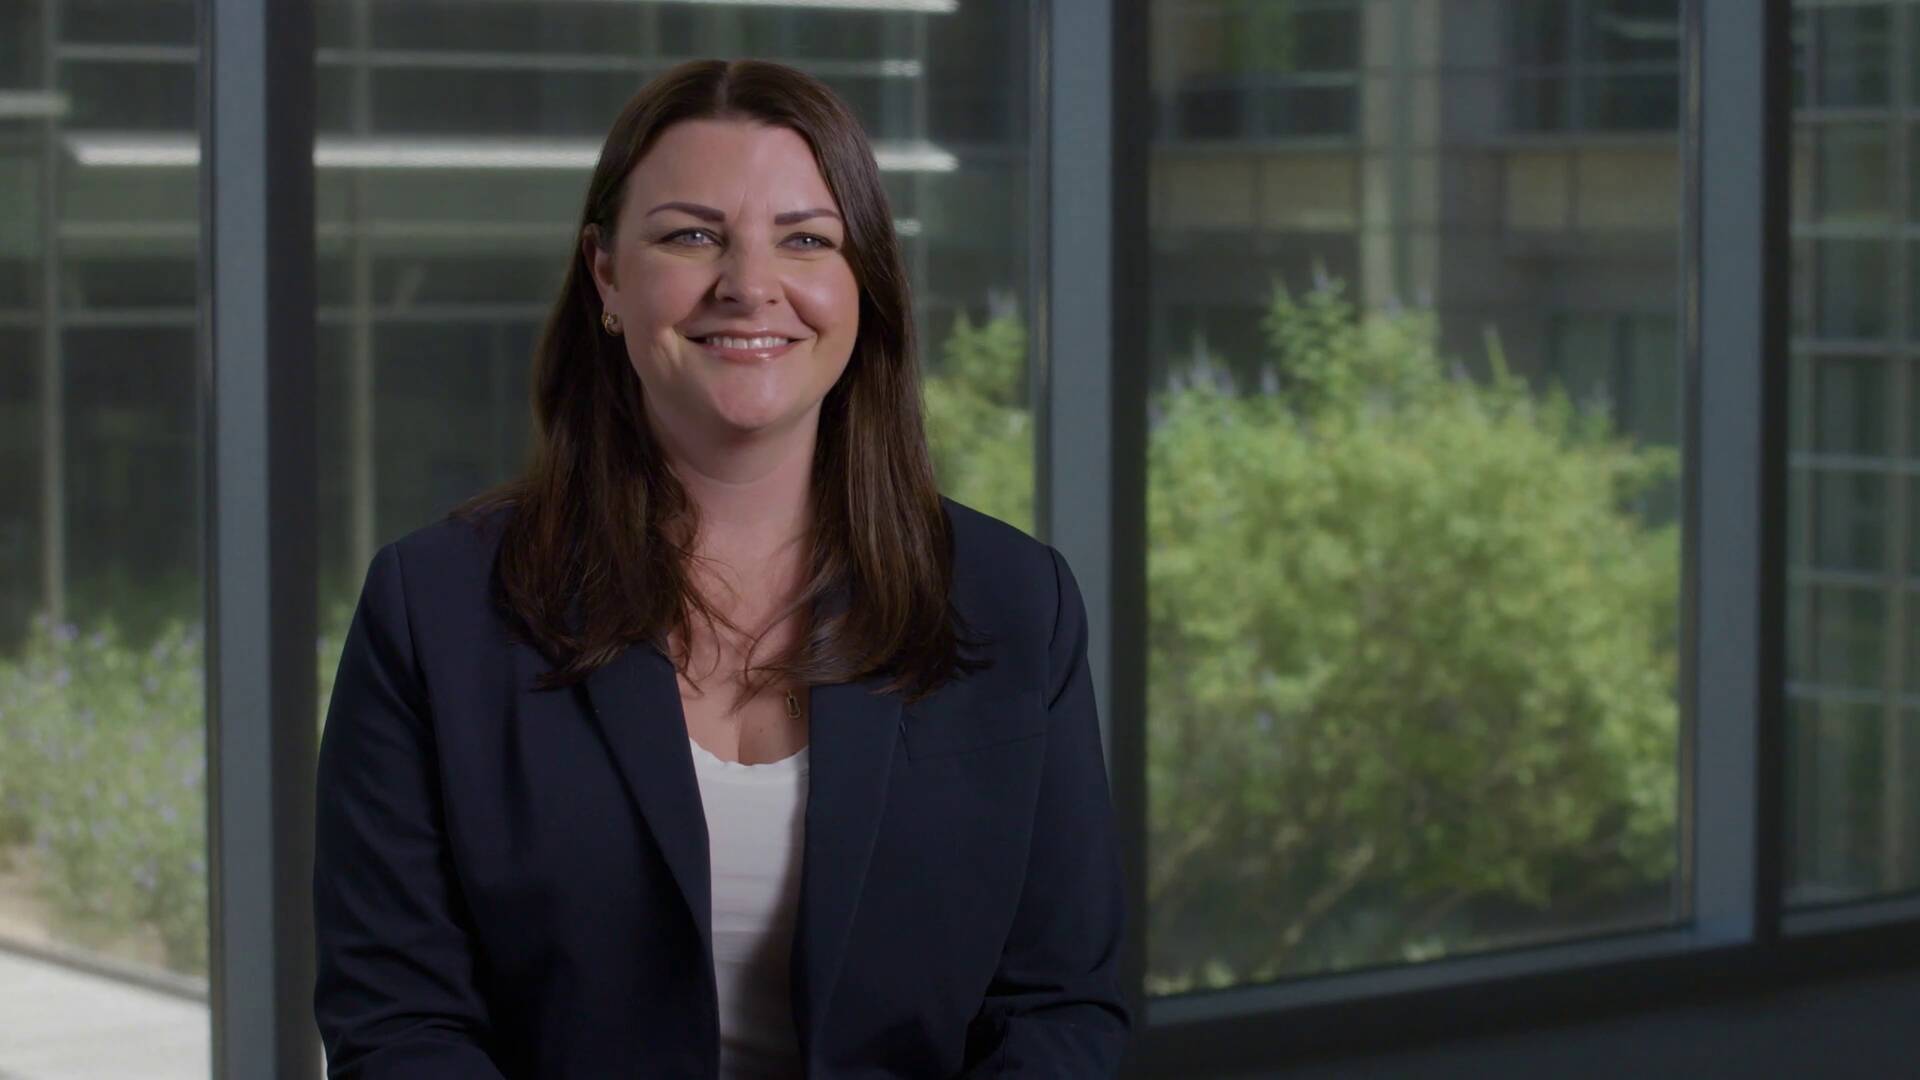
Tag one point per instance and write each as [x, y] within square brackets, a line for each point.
[748, 343]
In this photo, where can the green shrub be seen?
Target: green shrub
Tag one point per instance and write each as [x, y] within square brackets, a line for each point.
[1412, 652]
[102, 771]
[981, 434]
[102, 765]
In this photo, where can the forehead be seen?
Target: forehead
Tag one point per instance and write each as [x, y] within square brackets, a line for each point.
[732, 165]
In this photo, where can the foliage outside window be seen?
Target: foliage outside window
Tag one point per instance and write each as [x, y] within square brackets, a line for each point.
[1412, 650]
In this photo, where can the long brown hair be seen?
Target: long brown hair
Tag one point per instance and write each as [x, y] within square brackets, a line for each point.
[596, 553]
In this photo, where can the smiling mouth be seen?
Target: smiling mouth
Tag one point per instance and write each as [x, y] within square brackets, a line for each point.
[731, 347]
[729, 341]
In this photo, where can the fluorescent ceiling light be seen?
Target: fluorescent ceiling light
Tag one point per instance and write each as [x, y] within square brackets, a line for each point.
[32, 104]
[454, 154]
[435, 153]
[914, 157]
[138, 150]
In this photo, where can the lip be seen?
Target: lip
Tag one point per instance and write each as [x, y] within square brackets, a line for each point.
[746, 355]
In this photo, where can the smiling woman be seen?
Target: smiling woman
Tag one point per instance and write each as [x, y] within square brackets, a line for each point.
[718, 743]
[732, 202]
[714, 295]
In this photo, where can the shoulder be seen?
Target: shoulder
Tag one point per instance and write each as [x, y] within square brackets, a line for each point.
[457, 538]
[984, 545]
[1003, 577]
[447, 565]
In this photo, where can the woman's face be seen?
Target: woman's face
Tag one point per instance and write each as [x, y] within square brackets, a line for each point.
[727, 275]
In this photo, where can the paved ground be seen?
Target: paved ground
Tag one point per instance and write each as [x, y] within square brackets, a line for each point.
[60, 1024]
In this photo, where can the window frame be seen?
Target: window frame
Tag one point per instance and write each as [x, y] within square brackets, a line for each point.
[1737, 126]
[1090, 185]
[257, 275]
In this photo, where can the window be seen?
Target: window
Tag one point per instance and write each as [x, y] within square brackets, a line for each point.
[434, 283]
[1250, 69]
[1419, 389]
[103, 847]
[1433, 691]
[1853, 546]
[1593, 65]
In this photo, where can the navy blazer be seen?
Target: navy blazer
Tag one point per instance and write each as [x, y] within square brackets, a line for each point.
[512, 882]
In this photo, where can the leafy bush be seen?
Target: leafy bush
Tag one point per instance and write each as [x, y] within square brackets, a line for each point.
[102, 771]
[1412, 653]
[981, 433]
[102, 763]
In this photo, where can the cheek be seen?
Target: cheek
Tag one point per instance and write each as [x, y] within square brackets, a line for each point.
[667, 292]
[829, 303]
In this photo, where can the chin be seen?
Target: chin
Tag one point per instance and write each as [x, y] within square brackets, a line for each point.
[753, 420]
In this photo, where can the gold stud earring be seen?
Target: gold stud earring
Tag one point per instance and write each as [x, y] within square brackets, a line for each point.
[612, 326]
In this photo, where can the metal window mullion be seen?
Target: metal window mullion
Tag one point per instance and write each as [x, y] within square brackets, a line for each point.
[363, 478]
[1074, 508]
[1893, 825]
[1737, 266]
[1090, 454]
[53, 399]
[256, 392]
[1573, 111]
[1125, 79]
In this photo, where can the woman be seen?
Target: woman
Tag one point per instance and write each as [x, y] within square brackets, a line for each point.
[576, 817]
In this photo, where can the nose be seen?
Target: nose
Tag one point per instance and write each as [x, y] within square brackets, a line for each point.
[747, 278]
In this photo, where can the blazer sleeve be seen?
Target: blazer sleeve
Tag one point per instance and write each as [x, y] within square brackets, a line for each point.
[1054, 1007]
[394, 994]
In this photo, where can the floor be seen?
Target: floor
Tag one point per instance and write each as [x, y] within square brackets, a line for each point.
[57, 1023]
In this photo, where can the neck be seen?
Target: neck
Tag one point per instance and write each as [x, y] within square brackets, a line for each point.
[753, 494]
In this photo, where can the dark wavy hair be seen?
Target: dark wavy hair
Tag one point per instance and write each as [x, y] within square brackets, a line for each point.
[595, 554]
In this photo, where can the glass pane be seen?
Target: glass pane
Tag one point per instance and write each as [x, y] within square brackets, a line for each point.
[1540, 34]
[103, 851]
[1849, 405]
[435, 282]
[1852, 55]
[1847, 626]
[1850, 520]
[1852, 804]
[1600, 65]
[1538, 102]
[1854, 629]
[1850, 289]
[1251, 69]
[1850, 179]
[1632, 102]
[1433, 710]
[1629, 31]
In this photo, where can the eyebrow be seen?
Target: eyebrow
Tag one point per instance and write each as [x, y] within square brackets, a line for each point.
[708, 213]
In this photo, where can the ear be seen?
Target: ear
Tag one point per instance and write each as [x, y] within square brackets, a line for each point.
[596, 247]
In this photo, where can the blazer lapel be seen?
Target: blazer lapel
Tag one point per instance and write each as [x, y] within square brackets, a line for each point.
[851, 737]
[636, 703]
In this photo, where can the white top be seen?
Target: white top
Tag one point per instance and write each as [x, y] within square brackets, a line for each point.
[756, 822]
